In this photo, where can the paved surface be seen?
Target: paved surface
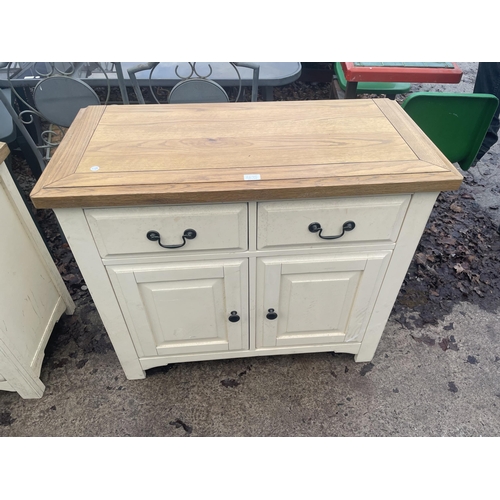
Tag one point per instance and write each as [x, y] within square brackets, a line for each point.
[411, 388]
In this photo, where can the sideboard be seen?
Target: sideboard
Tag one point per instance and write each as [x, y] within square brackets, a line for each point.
[211, 231]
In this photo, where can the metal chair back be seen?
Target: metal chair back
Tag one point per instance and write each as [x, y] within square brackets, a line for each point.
[54, 101]
[197, 90]
[10, 124]
[7, 129]
[59, 98]
[195, 86]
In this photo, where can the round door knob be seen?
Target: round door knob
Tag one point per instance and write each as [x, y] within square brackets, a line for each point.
[234, 318]
[271, 314]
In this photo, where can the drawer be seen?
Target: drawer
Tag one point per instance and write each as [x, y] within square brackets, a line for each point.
[119, 231]
[376, 218]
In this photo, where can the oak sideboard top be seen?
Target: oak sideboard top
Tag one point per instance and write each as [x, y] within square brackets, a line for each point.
[194, 153]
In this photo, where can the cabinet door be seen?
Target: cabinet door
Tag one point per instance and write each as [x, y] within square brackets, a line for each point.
[184, 307]
[318, 300]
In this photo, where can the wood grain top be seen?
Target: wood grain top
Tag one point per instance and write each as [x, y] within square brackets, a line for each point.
[194, 153]
[4, 151]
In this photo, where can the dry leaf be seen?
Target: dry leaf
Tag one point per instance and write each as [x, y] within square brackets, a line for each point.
[421, 259]
[448, 241]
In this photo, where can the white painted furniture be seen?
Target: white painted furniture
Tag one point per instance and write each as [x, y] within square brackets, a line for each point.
[32, 294]
[250, 196]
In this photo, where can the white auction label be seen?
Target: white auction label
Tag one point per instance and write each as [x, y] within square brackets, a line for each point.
[252, 177]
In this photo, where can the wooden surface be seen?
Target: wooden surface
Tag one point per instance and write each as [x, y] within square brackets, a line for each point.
[4, 151]
[193, 153]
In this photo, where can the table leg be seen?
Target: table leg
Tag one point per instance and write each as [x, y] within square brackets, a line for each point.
[121, 83]
[268, 94]
[350, 91]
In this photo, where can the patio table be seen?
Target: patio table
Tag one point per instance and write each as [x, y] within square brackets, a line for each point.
[409, 72]
[272, 74]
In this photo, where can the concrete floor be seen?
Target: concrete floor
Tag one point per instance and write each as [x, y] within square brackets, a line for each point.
[410, 388]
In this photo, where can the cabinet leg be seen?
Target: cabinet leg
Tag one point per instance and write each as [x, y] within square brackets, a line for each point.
[364, 357]
[134, 374]
[132, 369]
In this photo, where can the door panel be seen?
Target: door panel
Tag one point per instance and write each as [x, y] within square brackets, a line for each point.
[318, 300]
[184, 307]
[308, 300]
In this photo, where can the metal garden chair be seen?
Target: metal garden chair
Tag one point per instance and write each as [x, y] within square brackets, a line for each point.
[43, 111]
[195, 86]
[14, 133]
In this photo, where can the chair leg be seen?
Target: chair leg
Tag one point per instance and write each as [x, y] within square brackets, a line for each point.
[351, 90]
[333, 94]
[29, 155]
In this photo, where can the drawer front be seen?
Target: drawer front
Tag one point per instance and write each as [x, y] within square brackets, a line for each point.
[377, 218]
[119, 231]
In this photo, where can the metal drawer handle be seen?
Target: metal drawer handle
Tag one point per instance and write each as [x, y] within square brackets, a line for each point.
[189, 234]
[315, 227]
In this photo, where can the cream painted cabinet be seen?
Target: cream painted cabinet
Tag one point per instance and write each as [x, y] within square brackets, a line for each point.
[212, 231]
[32, 294]
[201, 307]
[279, 288]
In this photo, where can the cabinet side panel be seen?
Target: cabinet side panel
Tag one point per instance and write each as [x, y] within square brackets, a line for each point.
[28, 296]
[416, 218]
[26, 221]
